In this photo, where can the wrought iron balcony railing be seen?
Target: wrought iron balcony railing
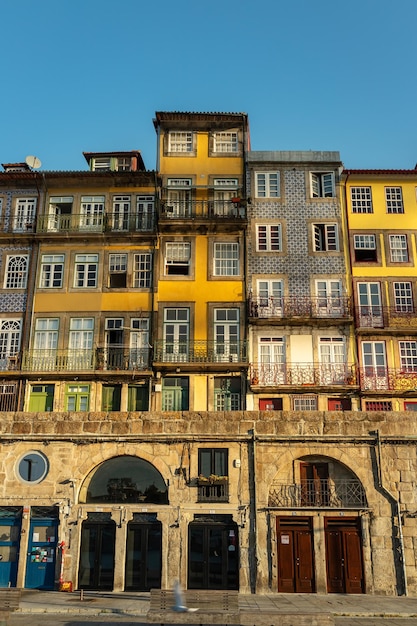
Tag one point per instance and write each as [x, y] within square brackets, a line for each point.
[214, 491]
[323, 493]
[85, 360]
[380, 378]
[308, 374]
[203, 209]
[200, 351]
[98, 223]
[292, 306]
[400, 316]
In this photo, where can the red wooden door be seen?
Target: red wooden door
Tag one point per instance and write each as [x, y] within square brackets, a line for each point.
[295, 556]
[344, 556]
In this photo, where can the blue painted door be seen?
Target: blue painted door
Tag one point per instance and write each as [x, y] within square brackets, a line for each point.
[9, 550]
[41, 559]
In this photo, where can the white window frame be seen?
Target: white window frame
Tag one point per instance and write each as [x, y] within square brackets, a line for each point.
[176, 334]
[10, 336]
[226, 142]
[270, 297]
[305, 402]
[370, 304]
[325, 237]
[403, 296]
[118, 264]
[365, 241]
[361, 199]
[51, 271]
[408, 355]
[267, 185]
[86, 271]
[15, 276]
[322, 184]
[398, 247]
[227, 334]
[332, 356]
[139, 342]
[394, 200]
[92, 213]
[142, 270]
[226, 259]
[181, 142]
[374, 363]
[24, 214]
[177, 258]
[329, 297]
[269, 237]
[145, 212]
[123, 164]
[120, 218]
[101, 164]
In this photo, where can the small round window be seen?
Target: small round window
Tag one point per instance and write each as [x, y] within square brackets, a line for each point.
[32, 467]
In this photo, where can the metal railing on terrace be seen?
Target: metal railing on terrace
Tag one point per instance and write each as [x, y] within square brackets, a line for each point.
[85, 360]
[202, 209]
[383, 317]
[302, 374]
[200, 351]
[98, 223]
[214, 491]
[303, 306]
[380, 378]
[323, 493]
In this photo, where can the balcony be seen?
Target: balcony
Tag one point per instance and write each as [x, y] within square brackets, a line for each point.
[401, 316]
[203, 210]
[195, 352]
[302, 374]
[110, 359]
[300, 307]
[380, 378]
[212, 490]
[99, 223]
[321, 493]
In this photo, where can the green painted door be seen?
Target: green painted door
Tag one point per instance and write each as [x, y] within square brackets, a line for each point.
[41, 398]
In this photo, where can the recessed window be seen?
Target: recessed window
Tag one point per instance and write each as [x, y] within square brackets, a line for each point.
[403, 295]
[226, 259]
[322, 184]
[52, 271]
[86, 269]
[365, 248]
[177, 258]
[32, 467]
[117, 271]
[394, 200]
[24, 217]
[267, 185]
[101, 164]
[408, 355]
[180, 141]
[142, 270]
[226, 142]
[16, 272]
[325, 238]
[385, 405]
[304, 403]
[268, 238]
[398, 248]
[361, 198]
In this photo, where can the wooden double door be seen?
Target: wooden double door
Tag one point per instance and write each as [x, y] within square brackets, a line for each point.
[344, 560]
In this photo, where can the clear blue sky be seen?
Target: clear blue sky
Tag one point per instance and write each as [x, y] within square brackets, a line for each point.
[87, 75]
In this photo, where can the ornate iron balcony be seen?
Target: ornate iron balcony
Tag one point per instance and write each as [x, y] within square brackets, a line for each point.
[203, 209]
[309, 374]
[380, 378]
[303, 306]
[98, 223]
[323, 493]
[109, 358]
[200, 351]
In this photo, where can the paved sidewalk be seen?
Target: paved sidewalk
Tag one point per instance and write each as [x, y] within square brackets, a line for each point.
[137, 604]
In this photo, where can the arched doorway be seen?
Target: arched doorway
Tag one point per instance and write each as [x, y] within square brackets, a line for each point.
[321, 506]
[124, 480]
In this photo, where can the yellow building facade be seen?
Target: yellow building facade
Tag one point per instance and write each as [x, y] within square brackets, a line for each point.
[200, 353]
[380, 207]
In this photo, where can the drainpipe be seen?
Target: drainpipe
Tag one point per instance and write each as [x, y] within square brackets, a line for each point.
[253, 526]
[398, 511]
